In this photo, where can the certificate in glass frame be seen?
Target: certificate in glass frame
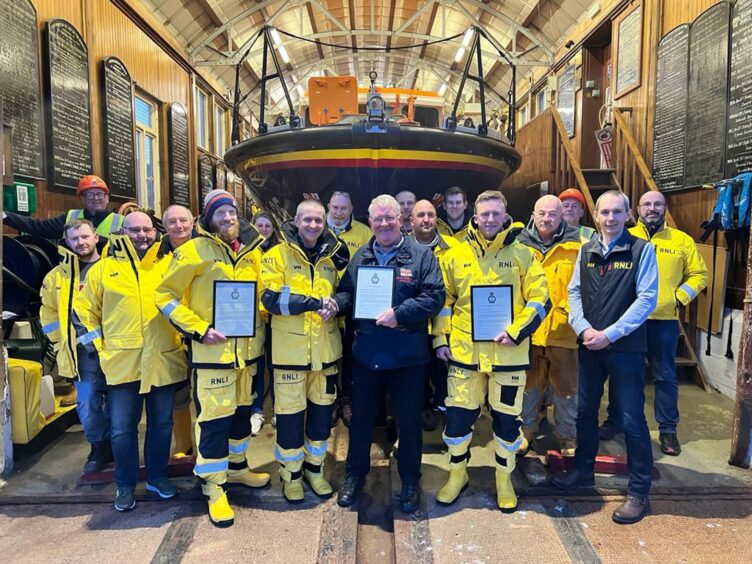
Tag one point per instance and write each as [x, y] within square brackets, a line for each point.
[234, 311]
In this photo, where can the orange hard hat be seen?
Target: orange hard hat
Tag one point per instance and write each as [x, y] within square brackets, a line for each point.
[89, 182]
[573, 193]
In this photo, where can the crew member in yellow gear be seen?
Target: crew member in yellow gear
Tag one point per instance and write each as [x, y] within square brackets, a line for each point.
[299, 278]
[492, 371]
[423, 219]
[226, 248]
[454, 217]
[61, 288]
[117, 308]
[555, 244]
[355, 234]
[178, 224]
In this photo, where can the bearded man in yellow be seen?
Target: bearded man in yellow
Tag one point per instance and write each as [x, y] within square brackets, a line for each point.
[222, 367]
[117, 308]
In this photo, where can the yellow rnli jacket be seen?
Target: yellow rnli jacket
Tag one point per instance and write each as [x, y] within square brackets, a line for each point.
[294, 285]
[459, 235]
[118, 310]
[186, 295]
[477, 262]
[355, 235]
[60, 289]
[558, 262]
[164, 358]
[682, 273]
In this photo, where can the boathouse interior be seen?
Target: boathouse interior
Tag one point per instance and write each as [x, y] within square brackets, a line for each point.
[635, 95]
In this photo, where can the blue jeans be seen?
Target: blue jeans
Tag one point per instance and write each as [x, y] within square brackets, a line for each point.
[126, 406]
[663, 337]
[626, 374]
[91, 404]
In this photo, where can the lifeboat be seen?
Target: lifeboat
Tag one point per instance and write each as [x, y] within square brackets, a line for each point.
[367, 154]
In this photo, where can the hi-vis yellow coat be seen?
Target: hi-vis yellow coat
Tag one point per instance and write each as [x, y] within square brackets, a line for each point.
[682, 273]
[476, 262]
[60, 289]
[186, 295]
[117, 308]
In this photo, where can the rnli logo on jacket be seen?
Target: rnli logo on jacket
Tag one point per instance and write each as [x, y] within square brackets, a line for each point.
[220, 381]
[405, 275]
[668, 251]
[506, 264]
[622, 264]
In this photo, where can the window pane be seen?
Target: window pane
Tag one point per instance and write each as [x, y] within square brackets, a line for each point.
[219, 131]
[201, 118]
[139, 160]
[143, 112]
[149, 146]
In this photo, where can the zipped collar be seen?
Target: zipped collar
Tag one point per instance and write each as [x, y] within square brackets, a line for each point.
[165, 246]
[623, 243]
[504, 238]
[650, 232]
[249, 236]
[565, 234]
[404, 252]
[327, 246]
[442, 216]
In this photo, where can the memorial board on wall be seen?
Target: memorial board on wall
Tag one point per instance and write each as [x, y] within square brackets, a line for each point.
[627, 64]
[19, 86]
[670, 128]
[205, 176]
[566, 98]
[117, 111]
[67, 104]
[708, 95]
[739, 134]
[220, 176]
[178, 148]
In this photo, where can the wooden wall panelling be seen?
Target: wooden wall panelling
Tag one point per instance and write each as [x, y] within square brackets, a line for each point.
[677, 12]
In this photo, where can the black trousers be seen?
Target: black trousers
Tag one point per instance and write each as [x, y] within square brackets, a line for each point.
[405, 387]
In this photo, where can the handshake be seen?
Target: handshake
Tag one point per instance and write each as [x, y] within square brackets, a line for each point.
[328, 309]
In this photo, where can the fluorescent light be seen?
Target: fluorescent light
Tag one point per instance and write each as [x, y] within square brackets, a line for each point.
[460, 53]
[468, 37]
[442, 89]
[283, 54]
[300, 90]
[275, 37]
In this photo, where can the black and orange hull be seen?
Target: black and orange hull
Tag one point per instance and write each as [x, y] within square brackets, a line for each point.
[282, 168]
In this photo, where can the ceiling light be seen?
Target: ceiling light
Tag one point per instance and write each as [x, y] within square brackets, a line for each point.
[468, 37]
[442, 89]
[460, 53]
[300, 90]
[275, 37]
[283, 54]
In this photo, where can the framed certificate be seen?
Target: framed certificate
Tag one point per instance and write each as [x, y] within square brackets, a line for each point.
[374, 291]
[492, 310]
[235, 308]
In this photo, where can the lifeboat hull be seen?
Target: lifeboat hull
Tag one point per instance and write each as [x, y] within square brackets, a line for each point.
[282, 168]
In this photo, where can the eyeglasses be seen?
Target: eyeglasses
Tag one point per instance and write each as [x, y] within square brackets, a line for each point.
[95, 195]
[384, 219]
[137, 230]
[657, 205]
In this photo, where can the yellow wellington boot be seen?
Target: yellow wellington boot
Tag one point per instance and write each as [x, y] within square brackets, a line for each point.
[505, 496]
[568, 447]
[318, 483]
[455, 485]
[524, 446]
[182, 431]
[248, 479]
[293, 490]
[220, 513]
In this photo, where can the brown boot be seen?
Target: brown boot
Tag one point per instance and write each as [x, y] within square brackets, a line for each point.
[69, 399]
[632, 510]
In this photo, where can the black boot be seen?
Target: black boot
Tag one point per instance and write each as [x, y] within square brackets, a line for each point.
[350, 490]
[99, 457]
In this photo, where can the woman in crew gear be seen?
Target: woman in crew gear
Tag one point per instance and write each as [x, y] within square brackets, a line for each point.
[222, 368]
[95, 197]
[487, 371]
[61, 287]
[299, 278]
[264, 223]
[117, 307]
